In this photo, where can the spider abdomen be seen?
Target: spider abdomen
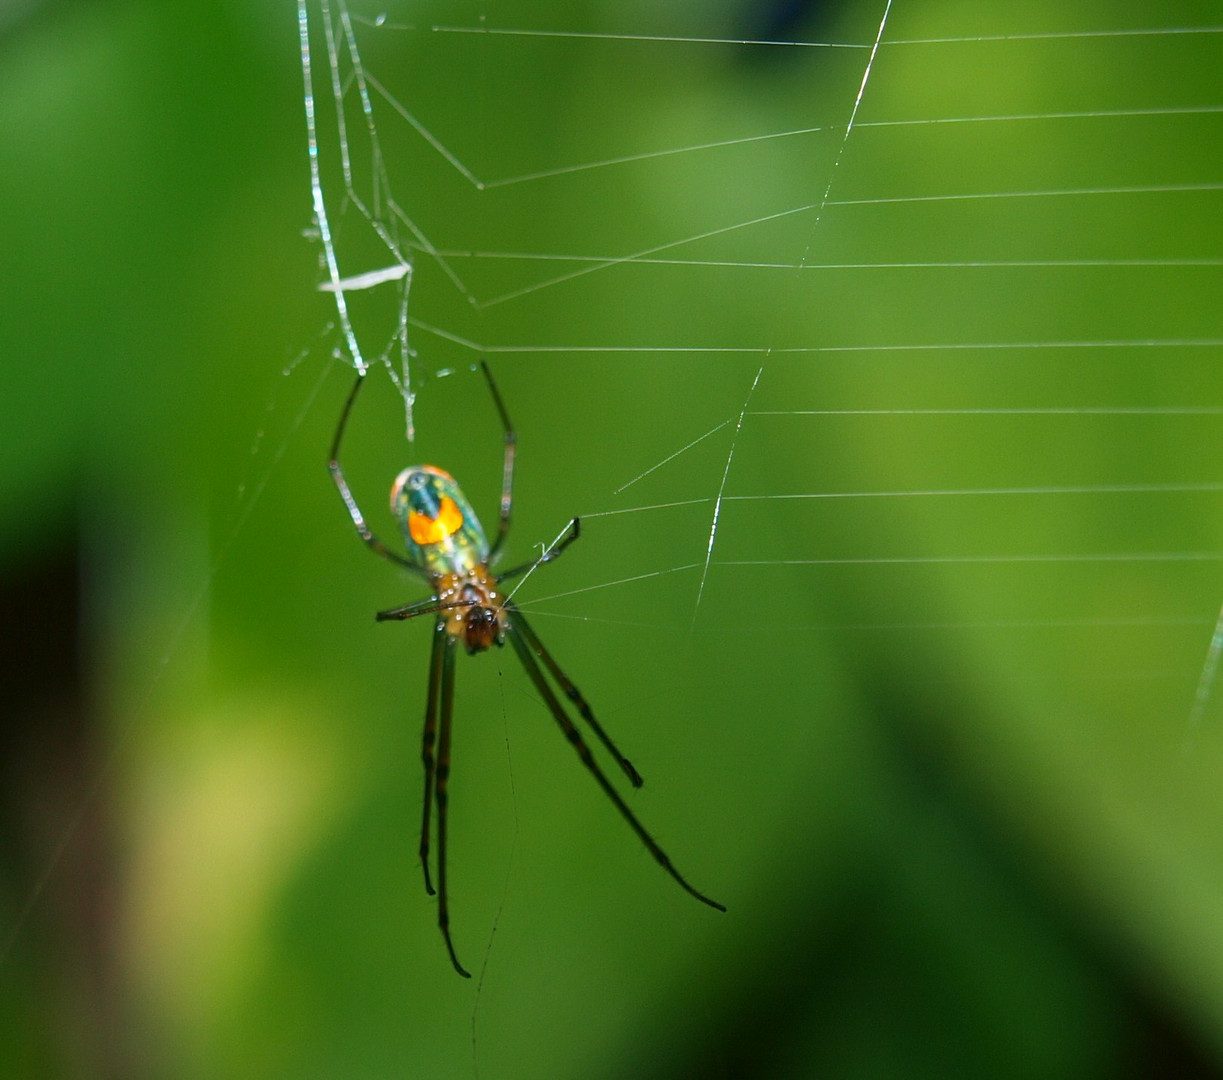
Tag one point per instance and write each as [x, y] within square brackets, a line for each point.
[440, 529]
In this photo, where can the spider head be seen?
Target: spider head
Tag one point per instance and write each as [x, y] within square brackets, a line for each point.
[481, 629]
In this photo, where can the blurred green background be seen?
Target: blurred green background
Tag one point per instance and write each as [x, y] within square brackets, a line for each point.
[932, 751]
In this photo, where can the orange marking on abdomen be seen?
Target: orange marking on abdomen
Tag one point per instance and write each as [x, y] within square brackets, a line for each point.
[427, 530]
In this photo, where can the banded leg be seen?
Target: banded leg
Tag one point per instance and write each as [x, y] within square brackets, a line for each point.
[426, 751]
[507, 471]
[427, 606]
[575, 737]
[354, 511]
[575, 531]
[443, 780]
[573, 694]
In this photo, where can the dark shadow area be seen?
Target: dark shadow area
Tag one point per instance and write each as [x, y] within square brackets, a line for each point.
[57, 850]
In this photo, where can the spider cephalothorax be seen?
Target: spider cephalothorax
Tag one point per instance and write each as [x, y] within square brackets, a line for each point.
[477, 615]
[446, 544]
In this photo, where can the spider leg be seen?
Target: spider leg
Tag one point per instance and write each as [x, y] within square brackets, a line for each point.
[574, 532]
[507, 472]
[574, 736]
[426, 752]
[572, 693]
[421, 607]
[354, 511]
[443, 778]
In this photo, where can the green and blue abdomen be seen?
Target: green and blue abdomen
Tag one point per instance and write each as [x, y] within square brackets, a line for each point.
[440, 530]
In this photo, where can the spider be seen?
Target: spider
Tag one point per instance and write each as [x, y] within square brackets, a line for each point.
[446, 545]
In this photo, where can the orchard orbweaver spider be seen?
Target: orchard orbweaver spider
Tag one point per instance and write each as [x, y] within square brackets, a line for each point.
[446, 545]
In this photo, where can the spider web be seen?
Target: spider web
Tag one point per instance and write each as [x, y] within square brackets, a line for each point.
[858, 229]
[879, 359]
[917, 353]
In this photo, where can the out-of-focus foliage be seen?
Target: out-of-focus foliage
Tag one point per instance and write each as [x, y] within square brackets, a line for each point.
[927, 749]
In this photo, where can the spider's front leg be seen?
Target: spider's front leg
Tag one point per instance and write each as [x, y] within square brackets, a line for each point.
[439, 708]
[430, 736]
[449, 648]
